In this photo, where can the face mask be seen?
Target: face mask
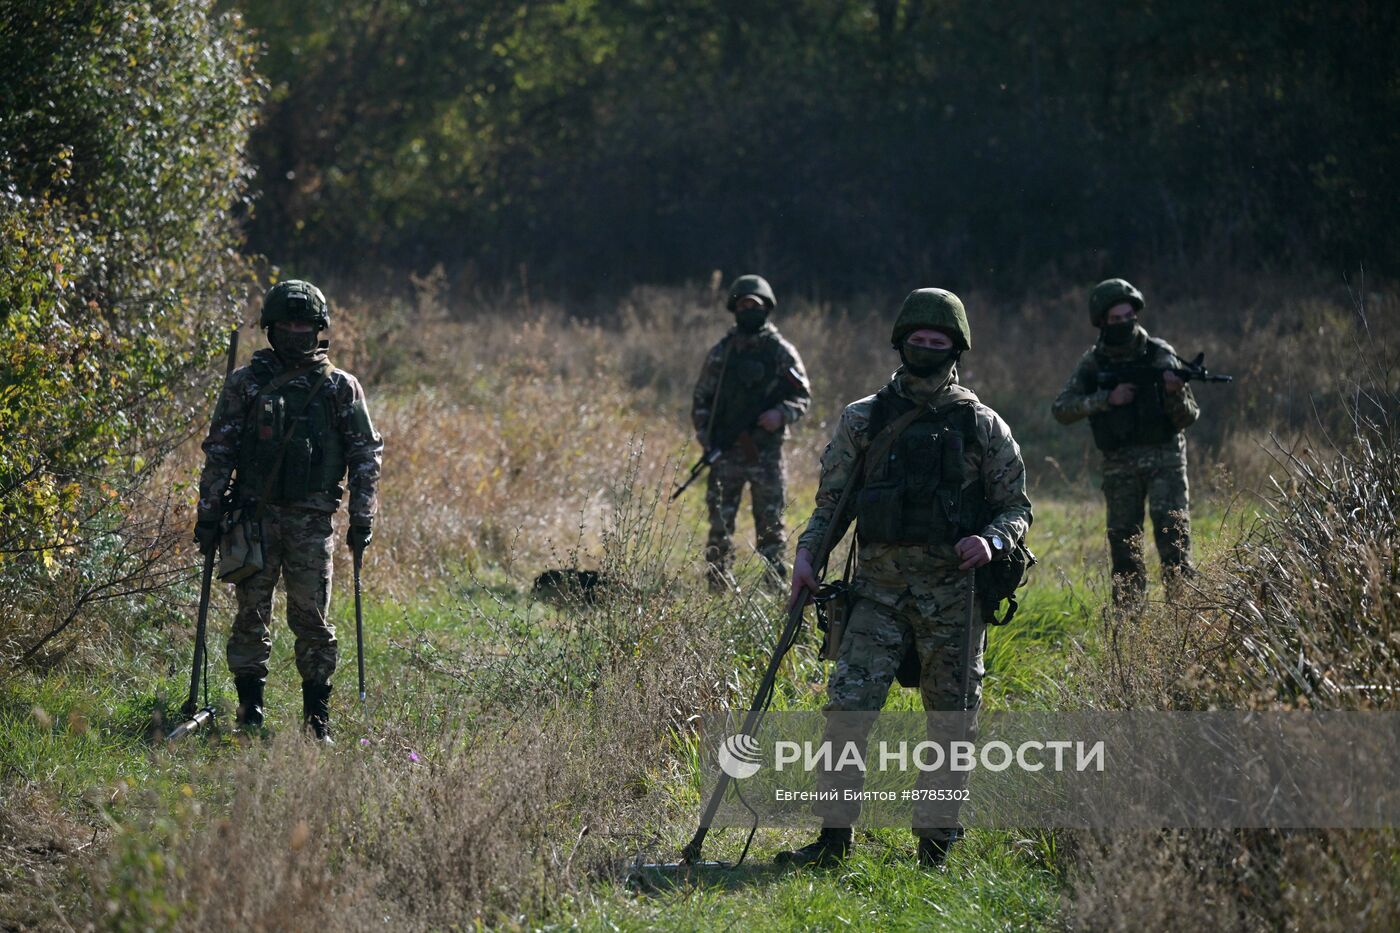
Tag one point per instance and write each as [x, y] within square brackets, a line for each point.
[926, 361]
[294, 347]
[1118, 334]
[750, 320]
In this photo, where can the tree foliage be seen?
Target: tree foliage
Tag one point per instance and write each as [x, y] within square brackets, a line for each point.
[853, 142]
[123, 129]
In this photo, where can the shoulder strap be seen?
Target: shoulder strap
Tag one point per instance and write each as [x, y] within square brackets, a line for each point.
[291, 375]
[879, 447]
[773, 347]
[718, 397]
[325, 368]
[887, 406]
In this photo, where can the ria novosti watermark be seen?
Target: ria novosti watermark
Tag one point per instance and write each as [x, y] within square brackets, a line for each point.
[1074, 770]
[957, 755]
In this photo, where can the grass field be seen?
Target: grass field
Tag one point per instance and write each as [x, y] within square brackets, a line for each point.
[514, 756]
[82, 752]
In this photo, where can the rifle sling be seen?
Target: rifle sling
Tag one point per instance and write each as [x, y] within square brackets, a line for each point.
[716, 398]
[857, 471]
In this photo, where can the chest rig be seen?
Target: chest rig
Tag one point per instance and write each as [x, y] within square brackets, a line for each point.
[1144, 420]
[291, 445]
[918, 492]
[749, 373]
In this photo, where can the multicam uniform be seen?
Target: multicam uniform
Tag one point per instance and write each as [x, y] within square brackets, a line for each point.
[333, 438]
[914, 593]
[1144, 458]
[739, 372]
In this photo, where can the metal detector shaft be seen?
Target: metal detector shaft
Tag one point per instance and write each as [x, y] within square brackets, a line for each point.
[359, 554]
[967, 652]
[206, 580]
[691, 852]
[205, 583]
[191, 725]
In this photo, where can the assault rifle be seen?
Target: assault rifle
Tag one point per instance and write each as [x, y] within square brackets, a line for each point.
[1148, 376]
[787, 385]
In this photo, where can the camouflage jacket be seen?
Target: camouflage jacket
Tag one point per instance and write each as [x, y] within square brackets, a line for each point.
[363, 446]
[707, 387]
[888, 572]
[1081, 398]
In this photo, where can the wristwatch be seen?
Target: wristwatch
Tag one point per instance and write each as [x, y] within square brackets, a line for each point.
[997, 544]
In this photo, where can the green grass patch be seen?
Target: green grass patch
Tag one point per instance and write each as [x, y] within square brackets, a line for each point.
[83, 738]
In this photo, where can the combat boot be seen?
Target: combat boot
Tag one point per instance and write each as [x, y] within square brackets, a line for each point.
[316, 711]
[250, 701]
[933, 852]
[776, 577]
[719, 580]
[830, 848]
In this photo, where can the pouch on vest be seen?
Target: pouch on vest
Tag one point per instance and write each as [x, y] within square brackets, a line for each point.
[878, 509]
[833, 602]
[271, 416]
[915, 497]
[241, 551]
[999, 580]
[1144, 421]
[297, 466]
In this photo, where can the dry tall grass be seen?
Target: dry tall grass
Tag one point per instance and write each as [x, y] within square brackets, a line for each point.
[1300, 613]
[553, 762]
[508, 428]
[505, 422]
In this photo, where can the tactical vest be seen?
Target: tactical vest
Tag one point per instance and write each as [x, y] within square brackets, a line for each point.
[918, 494]
[314, 460]
[1144, 420]
[748, 375]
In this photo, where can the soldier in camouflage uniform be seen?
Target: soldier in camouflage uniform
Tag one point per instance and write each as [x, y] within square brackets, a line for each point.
[1141, 434]
[940, 496]
[751, 387]
[288, 429]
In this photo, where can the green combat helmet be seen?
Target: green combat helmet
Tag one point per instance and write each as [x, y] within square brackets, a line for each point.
[295, 300]
[936, 308]
[1108, 293]
[755, 285]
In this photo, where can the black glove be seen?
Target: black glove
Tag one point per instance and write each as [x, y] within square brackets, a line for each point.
[206, 535]
[358, 537]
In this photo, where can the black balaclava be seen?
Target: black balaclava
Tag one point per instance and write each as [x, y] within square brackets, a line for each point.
[751, 320]
[1118, 334]
[926, 361]
[294, 349]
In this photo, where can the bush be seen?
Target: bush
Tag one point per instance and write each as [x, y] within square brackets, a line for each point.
[123, 129]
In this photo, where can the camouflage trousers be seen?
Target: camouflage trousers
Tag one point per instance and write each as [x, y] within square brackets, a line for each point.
[874, 643]
[1159, 479]
[768, 490]
[297, 547]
